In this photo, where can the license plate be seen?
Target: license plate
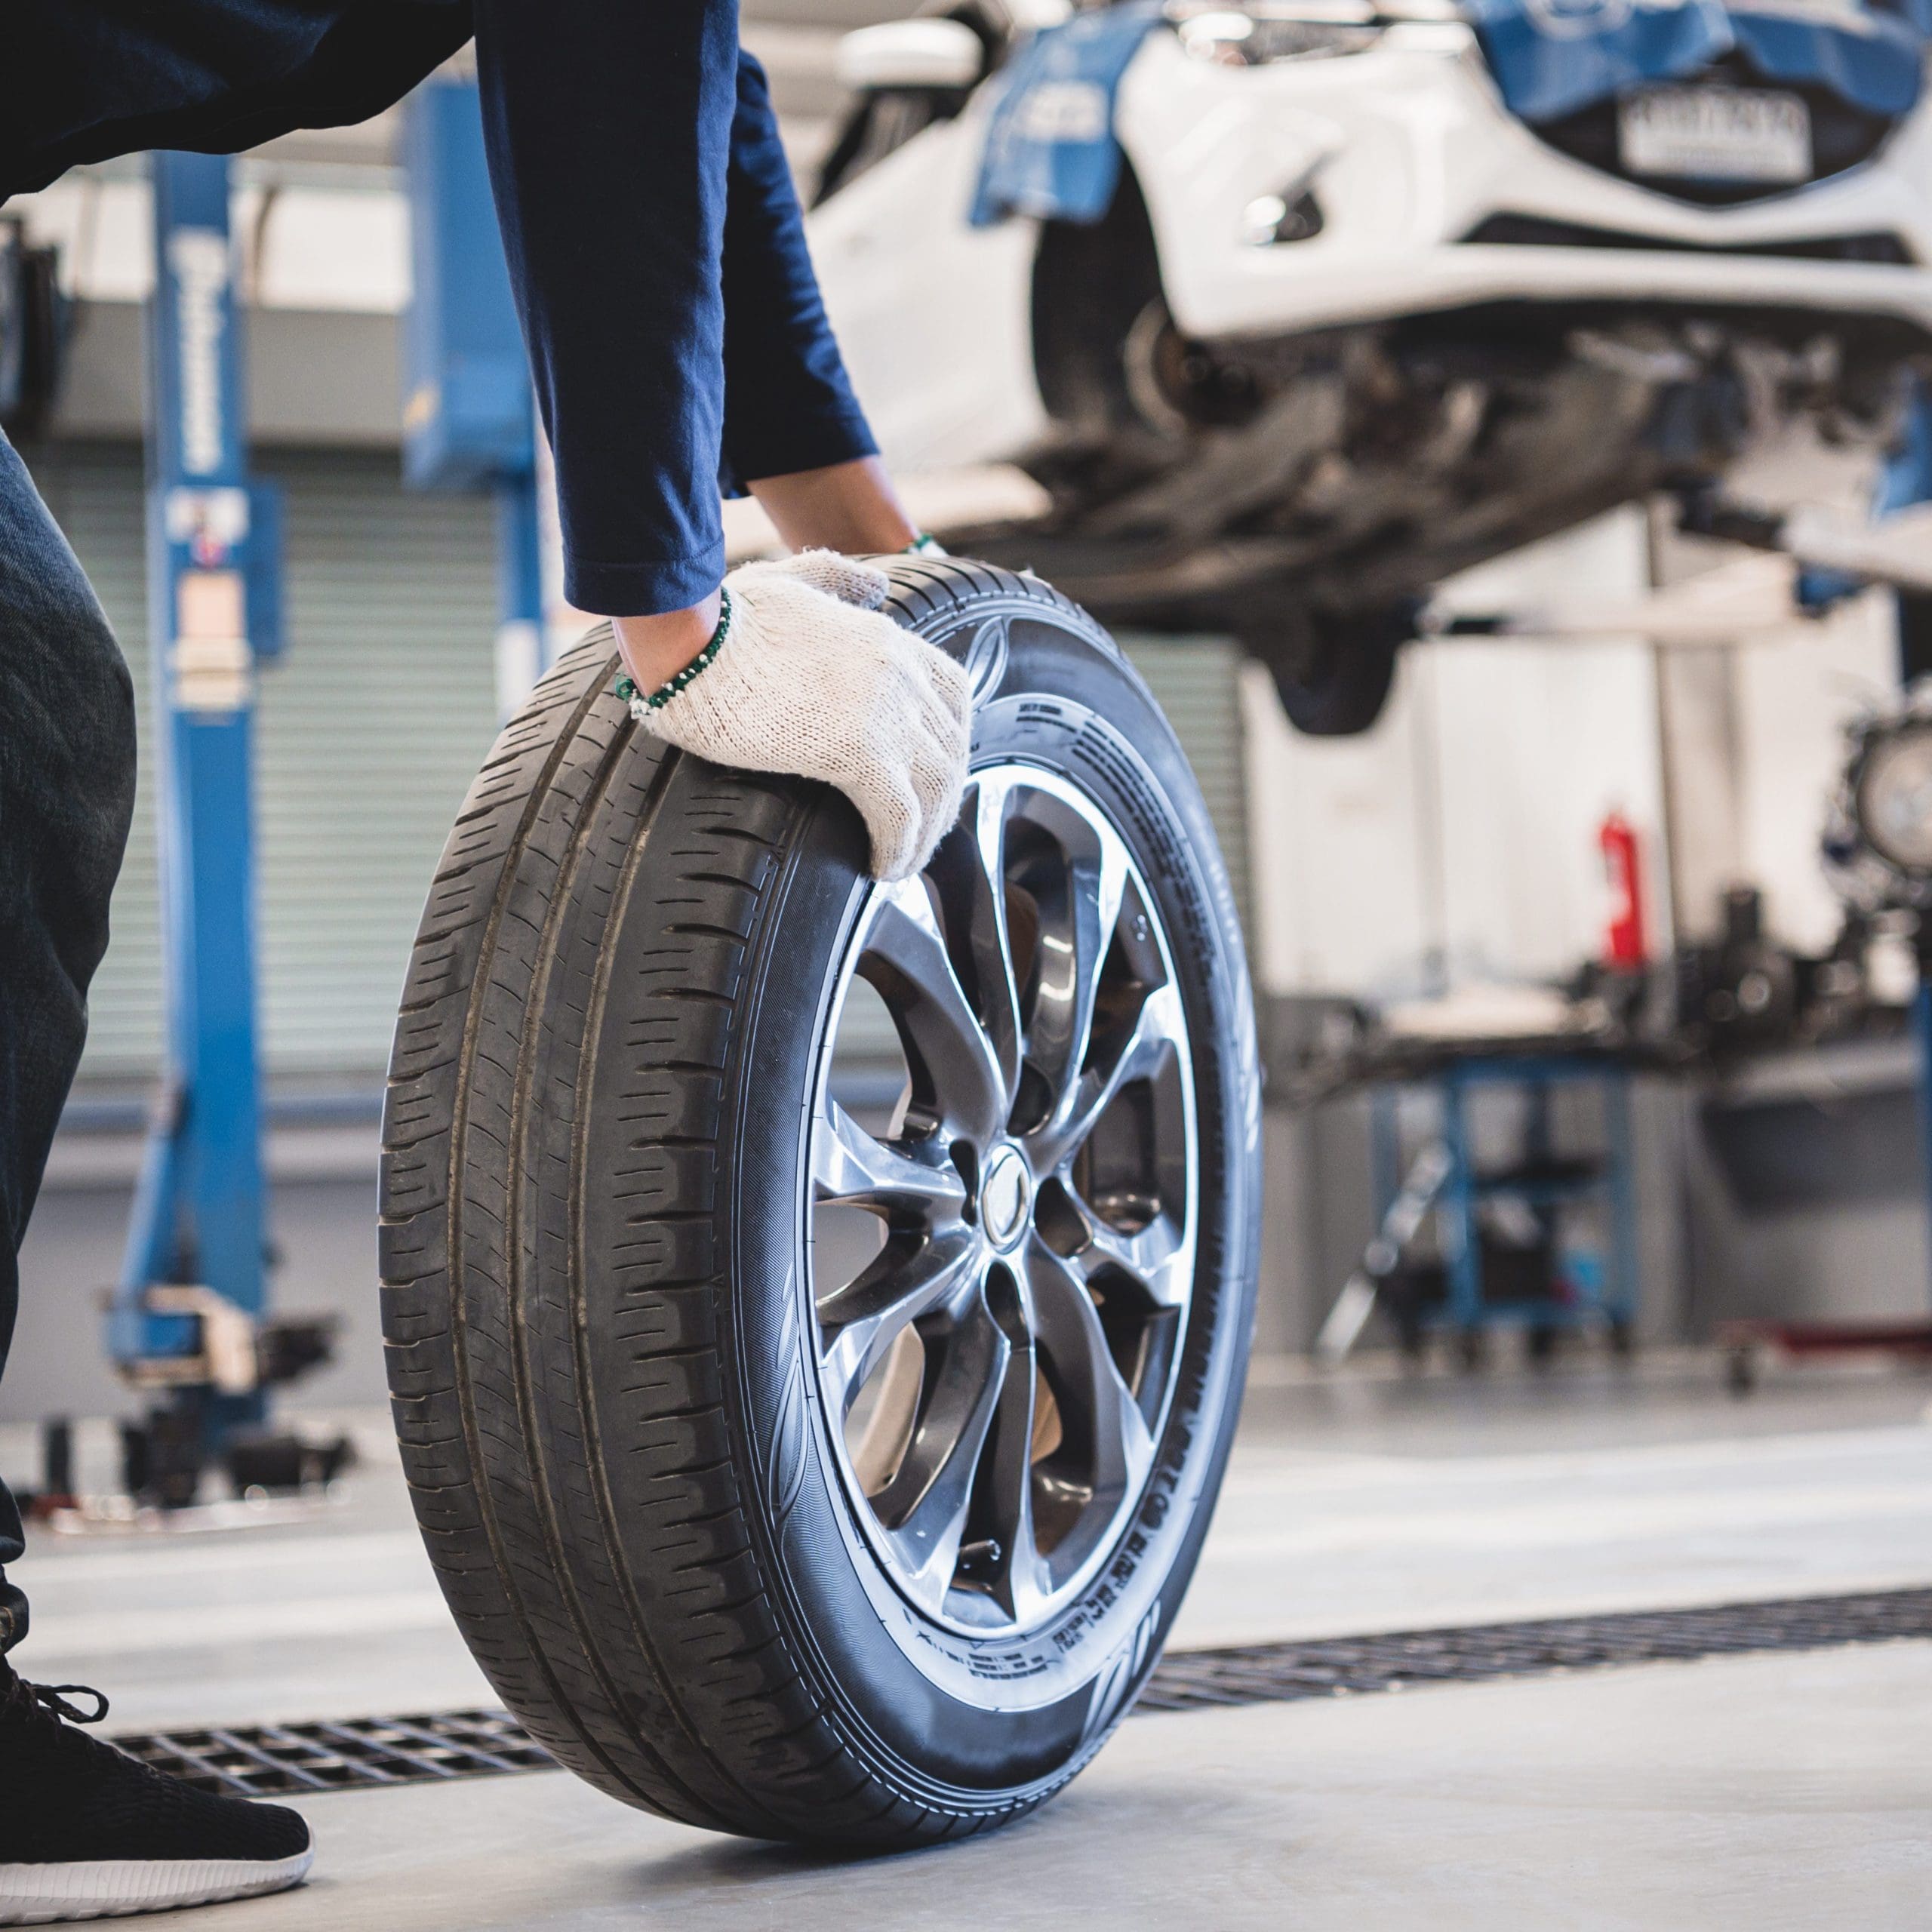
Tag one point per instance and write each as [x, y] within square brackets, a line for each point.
[1715, 134]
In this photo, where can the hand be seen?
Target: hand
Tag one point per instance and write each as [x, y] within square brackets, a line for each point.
[813, 680]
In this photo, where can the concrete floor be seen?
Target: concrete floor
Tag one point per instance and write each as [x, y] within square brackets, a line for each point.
[1785, 1790]
[1753, 1792]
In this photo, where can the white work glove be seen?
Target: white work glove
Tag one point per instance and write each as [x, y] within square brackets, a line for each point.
[812, 679]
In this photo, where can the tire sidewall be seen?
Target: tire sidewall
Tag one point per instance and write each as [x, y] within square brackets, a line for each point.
[984, 1722]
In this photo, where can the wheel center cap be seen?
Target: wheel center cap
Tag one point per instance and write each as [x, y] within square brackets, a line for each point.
[1006, 1197]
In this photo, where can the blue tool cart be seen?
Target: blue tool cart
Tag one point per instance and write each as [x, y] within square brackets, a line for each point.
[1542, 1239]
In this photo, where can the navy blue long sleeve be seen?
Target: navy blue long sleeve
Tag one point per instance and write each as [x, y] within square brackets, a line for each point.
[676, 332]
[609, 132]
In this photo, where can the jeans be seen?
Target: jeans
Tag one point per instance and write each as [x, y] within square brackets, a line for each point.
[67, 793]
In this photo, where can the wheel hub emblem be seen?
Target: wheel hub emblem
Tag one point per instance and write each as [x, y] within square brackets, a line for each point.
[1006, 1197]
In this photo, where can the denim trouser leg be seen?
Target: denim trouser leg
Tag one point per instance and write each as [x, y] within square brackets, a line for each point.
[66, 790]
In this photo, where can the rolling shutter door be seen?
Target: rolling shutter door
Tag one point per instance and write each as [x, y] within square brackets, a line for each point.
[1196, 681]
[369, 731]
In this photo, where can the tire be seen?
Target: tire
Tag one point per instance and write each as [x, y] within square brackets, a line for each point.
[1334, 681]
[613, 1120]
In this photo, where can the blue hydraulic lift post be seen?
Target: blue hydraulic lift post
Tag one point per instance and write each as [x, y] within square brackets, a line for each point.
[520, 571]
[199, 1211]
[469, 424]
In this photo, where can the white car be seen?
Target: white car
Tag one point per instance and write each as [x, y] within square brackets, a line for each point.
[1352, 316]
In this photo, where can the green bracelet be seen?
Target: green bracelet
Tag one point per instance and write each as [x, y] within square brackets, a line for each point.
[642, 702]
[924, 545]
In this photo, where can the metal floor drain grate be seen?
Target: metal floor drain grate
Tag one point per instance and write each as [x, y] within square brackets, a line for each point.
[281, 1761]
[1404, 1659]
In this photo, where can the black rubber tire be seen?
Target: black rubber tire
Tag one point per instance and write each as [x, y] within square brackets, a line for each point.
[1336, 681]
[590, 1229]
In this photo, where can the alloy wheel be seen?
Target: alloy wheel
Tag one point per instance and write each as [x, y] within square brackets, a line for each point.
[1001, 1254]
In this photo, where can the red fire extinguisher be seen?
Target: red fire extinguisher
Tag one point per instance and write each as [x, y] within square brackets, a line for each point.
[1625, 942]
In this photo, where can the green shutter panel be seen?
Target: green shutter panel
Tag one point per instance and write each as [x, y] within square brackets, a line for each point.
[1196, 681]
[369, 729]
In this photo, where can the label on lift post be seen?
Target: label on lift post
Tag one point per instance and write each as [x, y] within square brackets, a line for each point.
[211, 663]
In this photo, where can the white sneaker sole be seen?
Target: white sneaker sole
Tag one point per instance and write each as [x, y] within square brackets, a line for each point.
[115, 1888]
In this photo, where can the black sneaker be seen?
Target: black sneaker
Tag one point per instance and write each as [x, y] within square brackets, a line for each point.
[87, 1832]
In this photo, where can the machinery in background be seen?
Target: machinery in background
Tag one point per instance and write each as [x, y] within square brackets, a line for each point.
[1295, 308]
[189, 1321]
[1745, 992]
[1878, 852]
[1706, 1007]
[1878, 842]
[468, 423]
[1541, 1239]
[1479, 1230]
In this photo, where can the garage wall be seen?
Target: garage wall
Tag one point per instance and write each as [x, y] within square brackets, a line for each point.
[369, 729]
[1456, 842]
[1458, 839]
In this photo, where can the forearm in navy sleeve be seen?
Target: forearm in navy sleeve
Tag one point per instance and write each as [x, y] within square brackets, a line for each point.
[608, 124]
[788, 404]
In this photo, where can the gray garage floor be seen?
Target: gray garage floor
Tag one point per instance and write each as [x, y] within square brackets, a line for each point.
[1789, 1790]
[1749, 1793]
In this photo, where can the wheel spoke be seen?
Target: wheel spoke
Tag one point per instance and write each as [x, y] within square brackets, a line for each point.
[956, 1073]
[1073, 948]
[969, 871]
[852, 1168]
[1015, 1573]
[869, 1312]
[1154, 1257]
[924, 1508]
[1158, 1030]
[1097, 1407]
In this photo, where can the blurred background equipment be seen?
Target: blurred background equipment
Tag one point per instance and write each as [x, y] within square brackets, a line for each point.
[468, 419]
[1877, 851]
[1538, 1237]
[1878, 843]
